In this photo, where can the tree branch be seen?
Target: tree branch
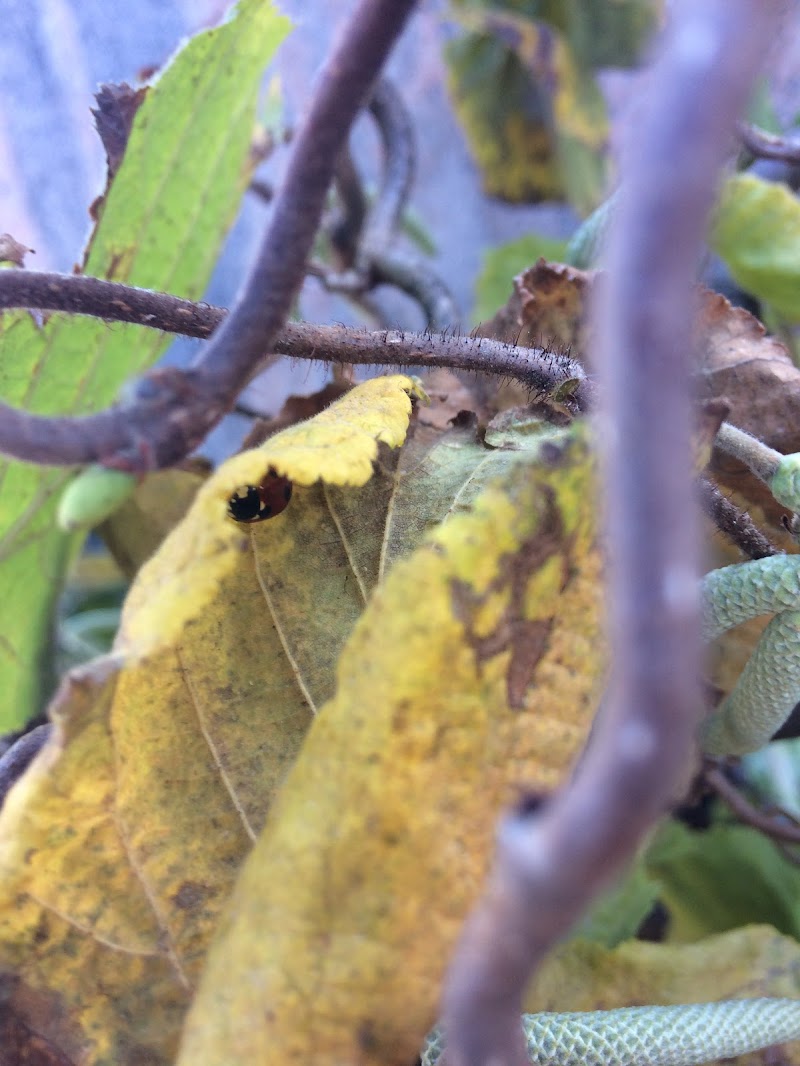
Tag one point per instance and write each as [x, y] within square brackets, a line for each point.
[553, 860]
[735, 524]
[774, 823]
[765, 145]
[170, 412]
[67, 441]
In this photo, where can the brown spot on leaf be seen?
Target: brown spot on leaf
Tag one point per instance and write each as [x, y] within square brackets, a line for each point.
[35, 1029]
[190, 895]
[528, 645]
[526, 638]
[366, 1037]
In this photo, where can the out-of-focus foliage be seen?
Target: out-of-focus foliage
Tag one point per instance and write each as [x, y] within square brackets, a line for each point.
[723, 878]
[757, 232]
[523, 82]
[503, 263]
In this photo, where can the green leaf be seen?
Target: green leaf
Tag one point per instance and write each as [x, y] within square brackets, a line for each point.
[504, 115]
[535, 117]
[617, 915]
[723, 878]
[604, 33]
[161, 226]
[501, 264]
[757, 232]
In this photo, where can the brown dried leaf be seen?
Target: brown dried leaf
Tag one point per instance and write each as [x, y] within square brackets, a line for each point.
[546, 308]
[11, 251]
[116, 109]
[756, 377]
[295, 409]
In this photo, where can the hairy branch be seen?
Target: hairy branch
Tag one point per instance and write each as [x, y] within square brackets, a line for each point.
[65, 441]
[553, 859]
[736, 524]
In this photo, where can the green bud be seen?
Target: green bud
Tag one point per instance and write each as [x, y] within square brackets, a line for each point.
[92, 496]
[785, 482]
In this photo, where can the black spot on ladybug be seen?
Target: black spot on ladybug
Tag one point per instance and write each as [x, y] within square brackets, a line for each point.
[245, 504]
[254, 503]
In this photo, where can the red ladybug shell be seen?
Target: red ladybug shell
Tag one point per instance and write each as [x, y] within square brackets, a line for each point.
[257, 503]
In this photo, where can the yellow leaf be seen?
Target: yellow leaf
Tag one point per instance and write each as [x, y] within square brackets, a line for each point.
[119, 845]
[337, 447]
[122, 842]
[77, 924]
[456, 687]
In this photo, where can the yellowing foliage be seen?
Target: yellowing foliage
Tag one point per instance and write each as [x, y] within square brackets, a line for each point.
[121, 844]
[337, 447]
[452, 691]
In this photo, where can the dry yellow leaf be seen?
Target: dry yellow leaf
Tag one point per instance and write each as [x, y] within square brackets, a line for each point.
[475, 669]
[337, 447]
[120, 845]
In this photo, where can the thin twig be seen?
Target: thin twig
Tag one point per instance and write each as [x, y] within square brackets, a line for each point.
[368, 245]
[552, 862]
[765, 145]
[399, 155]
[735, 524]
[346, 228]
[169, 412]
[776, 824]
[16, 760]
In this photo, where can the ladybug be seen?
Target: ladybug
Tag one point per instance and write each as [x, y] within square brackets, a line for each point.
[255, 503]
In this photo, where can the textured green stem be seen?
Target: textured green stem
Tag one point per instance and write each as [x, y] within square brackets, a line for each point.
[653, 1036]
[765, 695]
[735, 594]
[769, 686]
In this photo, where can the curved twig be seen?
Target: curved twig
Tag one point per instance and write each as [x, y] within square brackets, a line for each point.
[552, 862]
[348, 224]
[765, 145]
[368, 243]
[776, 824]
[397, 135]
